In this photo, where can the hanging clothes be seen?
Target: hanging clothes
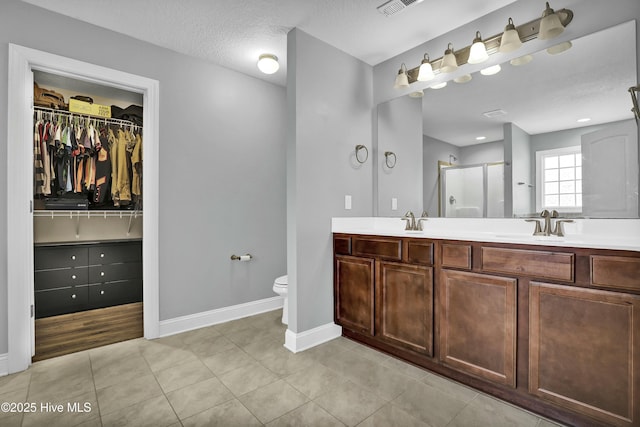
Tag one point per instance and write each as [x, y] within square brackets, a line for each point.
[136, 161]
[120, 164]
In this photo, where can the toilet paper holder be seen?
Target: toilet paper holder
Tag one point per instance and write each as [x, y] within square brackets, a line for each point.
[246, 257]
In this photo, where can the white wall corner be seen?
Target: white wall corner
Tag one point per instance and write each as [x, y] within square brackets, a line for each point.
[220, 315]
[4, 364]
[311, 338]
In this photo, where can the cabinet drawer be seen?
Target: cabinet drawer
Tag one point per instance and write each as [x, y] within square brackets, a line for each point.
[115, 293]
[113, 253]
[420, 252]
[390, 249]
[48, 279]
[342, 245]
[549, 265]
[456, 256]
[47, 257]
[113, 272]
[60, 301]
[615, 272]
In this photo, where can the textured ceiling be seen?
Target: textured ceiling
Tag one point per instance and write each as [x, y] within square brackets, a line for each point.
[233, 33]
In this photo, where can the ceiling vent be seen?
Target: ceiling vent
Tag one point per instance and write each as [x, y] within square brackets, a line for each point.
[494, 113]
[395, 6]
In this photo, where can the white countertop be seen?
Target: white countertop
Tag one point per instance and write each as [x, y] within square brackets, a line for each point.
[621, 234]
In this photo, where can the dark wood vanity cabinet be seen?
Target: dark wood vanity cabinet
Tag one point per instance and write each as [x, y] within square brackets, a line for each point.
[555, 330]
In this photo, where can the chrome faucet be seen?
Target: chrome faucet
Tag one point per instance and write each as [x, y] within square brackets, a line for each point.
[411, 221]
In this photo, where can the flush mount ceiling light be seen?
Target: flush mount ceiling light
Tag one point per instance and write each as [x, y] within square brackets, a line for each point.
[548, 26]
[510, 39]
[268, 63]
[449, 63]
[478, 52]
[416, 94]
[584, 120]
[425, 72]
[402, 80]
[480, 138]
[438, 85]
[463, 78]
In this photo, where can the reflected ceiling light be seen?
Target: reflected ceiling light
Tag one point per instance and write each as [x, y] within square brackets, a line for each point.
[268, 63]
[510, 39]
[425, 73]
[438, 85]
[480, 138]
[463, 78]
[449, 63]
[521, 60]
[559, 48]
[584, 120]
[490, 71]
[402, 80]
[478, 52]
[550, 25]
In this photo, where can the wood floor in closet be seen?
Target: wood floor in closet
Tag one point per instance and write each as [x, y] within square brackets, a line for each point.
[69, 333]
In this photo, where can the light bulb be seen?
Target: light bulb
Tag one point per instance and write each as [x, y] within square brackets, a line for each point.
[268, 63]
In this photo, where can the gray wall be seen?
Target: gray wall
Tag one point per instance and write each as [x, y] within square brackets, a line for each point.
[517, 152]
[222, 163]
[434, 150]
[399, 124]
[329, 112]
[489, 152]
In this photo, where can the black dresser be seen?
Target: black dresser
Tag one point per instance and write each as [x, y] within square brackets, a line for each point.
[77, 277]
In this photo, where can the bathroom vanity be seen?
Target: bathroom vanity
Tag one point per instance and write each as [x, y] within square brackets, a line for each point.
[551, 325]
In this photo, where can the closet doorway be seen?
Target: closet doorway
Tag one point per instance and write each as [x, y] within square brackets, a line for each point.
[20, 233]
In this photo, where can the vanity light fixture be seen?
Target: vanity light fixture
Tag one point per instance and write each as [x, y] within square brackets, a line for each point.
[449, 63]
[463, 78]
[425, 73]
[268, 63]
[490, 71]
[550, 25]
[559, 48]
[510, 39]
[402, 80]
[478, 52]
[438, 85]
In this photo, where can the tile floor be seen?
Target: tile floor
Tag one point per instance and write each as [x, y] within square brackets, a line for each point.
[239, 374]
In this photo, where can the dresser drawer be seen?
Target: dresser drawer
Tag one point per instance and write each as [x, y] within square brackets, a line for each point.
[114, 253]
[115, 293]
[543, 264]
[456, 256]
[47, 257]
[387, 248]
[60, 301]
[615, 272]
[113, 272]
[62, 277]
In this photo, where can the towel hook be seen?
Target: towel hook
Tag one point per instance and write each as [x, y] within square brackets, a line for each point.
[366, 153]
[390, 163]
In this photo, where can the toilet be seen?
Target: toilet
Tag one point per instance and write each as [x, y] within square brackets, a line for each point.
[280, 287]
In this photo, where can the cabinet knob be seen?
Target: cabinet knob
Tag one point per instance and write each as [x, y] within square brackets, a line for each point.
[101, 292]
[73, 257]
[73, 277]
[73, 296]
[101, 255]
[102, 273]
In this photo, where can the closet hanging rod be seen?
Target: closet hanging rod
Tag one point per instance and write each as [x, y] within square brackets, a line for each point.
[86, 116]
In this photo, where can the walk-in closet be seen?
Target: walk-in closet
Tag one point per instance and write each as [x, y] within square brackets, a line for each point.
[87, 214]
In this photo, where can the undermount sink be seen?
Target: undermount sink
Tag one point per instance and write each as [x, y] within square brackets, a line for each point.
[522, 236]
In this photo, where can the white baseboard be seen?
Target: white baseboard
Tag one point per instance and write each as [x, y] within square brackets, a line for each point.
[311, 338]
[220, 315]
[4, 364]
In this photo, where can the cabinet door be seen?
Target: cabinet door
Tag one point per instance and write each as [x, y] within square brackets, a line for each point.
[405, 306]
[353, 293]
[477, 318]
[584, 351]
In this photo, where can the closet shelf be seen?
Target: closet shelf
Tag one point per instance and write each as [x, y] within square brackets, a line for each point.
[87, 214]
[72, 115]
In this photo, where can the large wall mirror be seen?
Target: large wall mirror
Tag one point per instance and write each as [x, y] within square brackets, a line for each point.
[556, 132]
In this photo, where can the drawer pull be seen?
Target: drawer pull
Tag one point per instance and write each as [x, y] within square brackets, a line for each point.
[73, 277]
[73, 257]
[73, 296]
[102, 273]
[101, 292]
[101, 255]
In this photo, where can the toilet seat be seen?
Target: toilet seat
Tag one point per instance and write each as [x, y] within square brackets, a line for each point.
[281, 281]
